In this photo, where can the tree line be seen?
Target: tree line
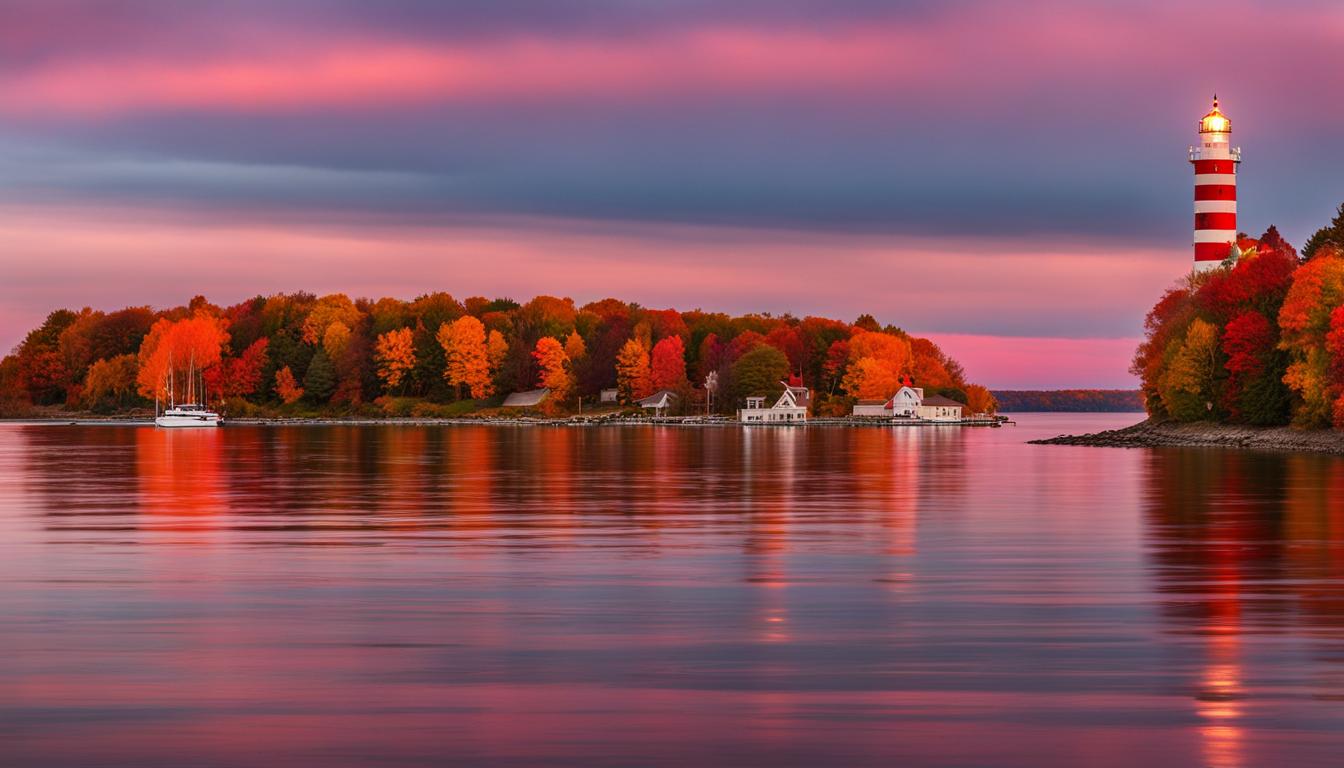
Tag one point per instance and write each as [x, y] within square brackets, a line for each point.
[1260, 340]
[436, 355]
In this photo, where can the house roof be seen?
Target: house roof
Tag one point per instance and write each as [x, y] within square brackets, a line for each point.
[526, 399]
[946, 402]
[658, 399]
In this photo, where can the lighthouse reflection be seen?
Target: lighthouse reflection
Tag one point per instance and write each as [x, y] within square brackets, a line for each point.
[1246, 546]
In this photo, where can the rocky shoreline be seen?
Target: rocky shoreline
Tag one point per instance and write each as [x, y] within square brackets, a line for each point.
[1169, 434]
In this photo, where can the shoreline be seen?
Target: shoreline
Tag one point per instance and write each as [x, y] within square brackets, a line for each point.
[515, 421]
[1170, 434]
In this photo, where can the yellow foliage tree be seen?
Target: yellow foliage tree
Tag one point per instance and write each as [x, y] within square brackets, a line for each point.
[110, 381]
[336, 308]
[394, 353]
[1187, 386]
[496, 350]
[632, 371]
[335, 339]
[575, 349]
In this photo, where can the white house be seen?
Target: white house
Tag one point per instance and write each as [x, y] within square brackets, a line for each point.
[906, 401]
[939, 408]
[791, 407]
[904, 404]
[608, 395]
[659, 401]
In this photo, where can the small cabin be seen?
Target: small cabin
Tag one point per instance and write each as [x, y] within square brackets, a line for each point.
[611, 395]
[939, 408]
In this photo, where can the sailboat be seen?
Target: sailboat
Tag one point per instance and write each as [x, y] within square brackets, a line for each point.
[190, 413]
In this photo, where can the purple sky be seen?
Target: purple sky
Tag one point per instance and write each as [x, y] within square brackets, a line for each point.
[1009, 179]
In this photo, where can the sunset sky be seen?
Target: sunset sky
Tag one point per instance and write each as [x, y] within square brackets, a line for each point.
[1006, 178]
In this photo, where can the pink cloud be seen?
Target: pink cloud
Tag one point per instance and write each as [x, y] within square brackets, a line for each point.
[964, 57]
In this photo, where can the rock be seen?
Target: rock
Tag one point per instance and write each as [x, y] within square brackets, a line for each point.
[1162, 434]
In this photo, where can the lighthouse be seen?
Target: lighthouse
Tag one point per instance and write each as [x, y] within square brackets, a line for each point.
[1215, 161]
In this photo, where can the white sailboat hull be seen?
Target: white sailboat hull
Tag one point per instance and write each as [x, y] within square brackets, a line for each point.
[188, 421]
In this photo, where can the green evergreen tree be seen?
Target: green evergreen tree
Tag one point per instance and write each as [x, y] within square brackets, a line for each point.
[1332, 234]
[320, 380]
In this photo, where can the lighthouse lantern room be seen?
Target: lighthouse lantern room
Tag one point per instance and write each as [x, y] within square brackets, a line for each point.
[1215, 161]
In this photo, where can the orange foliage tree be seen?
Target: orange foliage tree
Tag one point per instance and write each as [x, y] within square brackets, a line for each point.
[468, 356]
[979, 400]
[554, 365]
[394, 353]
[575, 349]
[632, 371]
[878, 362]
[287, 387]
[1305, 322]
[174, 347]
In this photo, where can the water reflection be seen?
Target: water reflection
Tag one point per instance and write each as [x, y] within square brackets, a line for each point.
[1247, 547]
[355, 595]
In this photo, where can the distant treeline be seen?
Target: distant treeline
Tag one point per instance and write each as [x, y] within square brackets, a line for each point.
[295, 354]
[1077, 400]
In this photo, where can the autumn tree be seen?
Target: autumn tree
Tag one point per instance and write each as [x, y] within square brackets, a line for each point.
[41, 368]
[879, 361]
[239, 376]
[286, 387]
[667, 369]
[468, 356]
[575, 349]
[174, 347]
[334, 310]
[553, 364]
[395, 356]
[870, 378]
[110, 383]
[980, 400]
[633, 378]
[1305, 322]
[1187, 387]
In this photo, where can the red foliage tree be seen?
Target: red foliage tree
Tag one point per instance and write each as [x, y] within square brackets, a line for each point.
[668, 367]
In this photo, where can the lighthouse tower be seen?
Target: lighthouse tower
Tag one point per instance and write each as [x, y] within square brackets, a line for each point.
[1215, 161]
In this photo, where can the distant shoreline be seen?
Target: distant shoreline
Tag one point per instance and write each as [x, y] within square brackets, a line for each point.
[501, 421]
[1170, 434]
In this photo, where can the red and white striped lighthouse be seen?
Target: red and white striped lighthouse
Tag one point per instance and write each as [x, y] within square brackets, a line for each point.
[1215, 161]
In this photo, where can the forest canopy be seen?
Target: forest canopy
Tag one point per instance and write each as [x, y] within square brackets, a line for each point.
[1258, 340]
[438, 355]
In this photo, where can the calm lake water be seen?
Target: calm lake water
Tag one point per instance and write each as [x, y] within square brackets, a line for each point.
[339, 596]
